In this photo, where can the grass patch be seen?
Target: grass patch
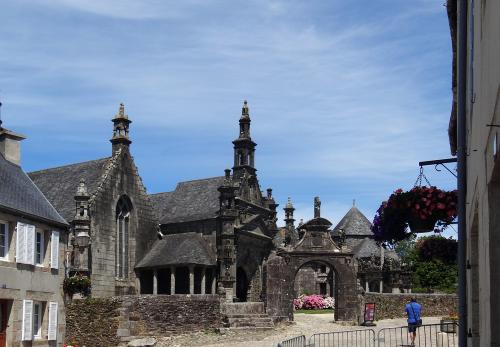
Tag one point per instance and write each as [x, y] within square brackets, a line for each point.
[324, 311]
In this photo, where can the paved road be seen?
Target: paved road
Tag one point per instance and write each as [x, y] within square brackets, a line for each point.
[305, 324]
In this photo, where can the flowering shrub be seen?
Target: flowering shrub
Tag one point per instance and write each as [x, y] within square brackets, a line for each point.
[328, 302]
[420, 203]
[313, 302]
[298, 303]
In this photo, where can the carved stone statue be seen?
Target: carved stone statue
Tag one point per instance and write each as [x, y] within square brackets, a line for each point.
[317, 207]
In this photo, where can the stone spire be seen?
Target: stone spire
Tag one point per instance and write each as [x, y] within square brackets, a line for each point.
[244, 147]
[120, 129]
[289, 214]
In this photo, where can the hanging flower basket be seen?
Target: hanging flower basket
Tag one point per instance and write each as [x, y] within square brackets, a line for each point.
[418, 225]
[421, 209]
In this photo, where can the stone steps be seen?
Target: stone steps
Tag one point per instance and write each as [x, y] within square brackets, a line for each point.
[247, 315]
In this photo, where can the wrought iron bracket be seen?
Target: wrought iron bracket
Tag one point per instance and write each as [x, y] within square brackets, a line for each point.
[440, 162]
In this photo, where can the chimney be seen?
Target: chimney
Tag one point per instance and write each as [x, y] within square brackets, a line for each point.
[10, 145]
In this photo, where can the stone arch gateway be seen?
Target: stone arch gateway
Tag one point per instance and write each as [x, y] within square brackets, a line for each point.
[316, 245]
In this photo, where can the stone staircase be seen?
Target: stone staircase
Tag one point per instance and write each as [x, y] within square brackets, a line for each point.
[246, 315]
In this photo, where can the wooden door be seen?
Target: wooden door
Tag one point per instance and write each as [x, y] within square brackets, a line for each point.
[3, 322]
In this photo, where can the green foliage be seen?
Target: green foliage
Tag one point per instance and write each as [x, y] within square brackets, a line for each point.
[438, 248]
[77, 284]
[434, 274]
[433, 261]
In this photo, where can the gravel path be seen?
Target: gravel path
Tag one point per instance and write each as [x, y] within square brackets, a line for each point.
[305, 324]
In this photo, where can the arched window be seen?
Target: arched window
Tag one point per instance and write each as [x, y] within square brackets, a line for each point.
[123, 215]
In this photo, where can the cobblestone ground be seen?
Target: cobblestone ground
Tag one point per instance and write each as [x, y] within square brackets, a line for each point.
[305, 324]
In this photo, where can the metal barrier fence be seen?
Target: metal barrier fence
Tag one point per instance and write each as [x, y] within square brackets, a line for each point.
[298, 341]
[354, 338]
[429, 335]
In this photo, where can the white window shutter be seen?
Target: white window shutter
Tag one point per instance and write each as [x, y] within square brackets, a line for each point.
[27, 328]
[21, 243]
[30, 245]
[52, 329]
[54, 250]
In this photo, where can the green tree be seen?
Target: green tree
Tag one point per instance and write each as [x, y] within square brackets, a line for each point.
[433, 261]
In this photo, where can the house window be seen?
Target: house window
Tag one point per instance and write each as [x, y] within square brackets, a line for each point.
[39, 247]
[37, 320]
[123, 215]
[4, 241]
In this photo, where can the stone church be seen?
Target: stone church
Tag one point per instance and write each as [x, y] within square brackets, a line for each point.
[115, 223]
[218, 229]
[213, 235]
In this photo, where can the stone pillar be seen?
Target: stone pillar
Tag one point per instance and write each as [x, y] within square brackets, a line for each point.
[203, 274]
[381, 286]
[191, 279]
[172, 280]
[367, 287]
[214, 273]
[155, 282]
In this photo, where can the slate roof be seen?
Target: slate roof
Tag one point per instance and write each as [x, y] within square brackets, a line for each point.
[191, 200]
[181, 249]
[367, 248]
[59, 184]
[354, 223]
[20, 194]
[162, 202]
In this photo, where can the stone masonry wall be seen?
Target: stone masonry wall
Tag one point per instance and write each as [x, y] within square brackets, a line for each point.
[393, 305]
[93, 322]
[169, 314]
[122, 179]
[103, 322]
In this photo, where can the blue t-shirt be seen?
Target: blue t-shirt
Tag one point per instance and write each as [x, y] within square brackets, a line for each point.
[413, 310]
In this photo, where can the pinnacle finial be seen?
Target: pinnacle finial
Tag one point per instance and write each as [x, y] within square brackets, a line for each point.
[317, 207]
[121, 112]
[244, 109]
[82, 188]
[289, 203]
[353, 202]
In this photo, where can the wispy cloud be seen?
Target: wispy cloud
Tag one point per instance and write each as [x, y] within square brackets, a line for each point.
[344, 96]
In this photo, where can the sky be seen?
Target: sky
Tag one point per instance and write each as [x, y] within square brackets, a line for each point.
[345, 97]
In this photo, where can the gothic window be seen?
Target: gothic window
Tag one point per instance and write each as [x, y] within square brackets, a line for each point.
[123, 215]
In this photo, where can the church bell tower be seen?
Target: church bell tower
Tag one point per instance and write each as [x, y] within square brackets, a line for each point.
[244, 147]
[121, 124]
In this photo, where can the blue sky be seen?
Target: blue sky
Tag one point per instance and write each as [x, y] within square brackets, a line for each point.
[346, 97]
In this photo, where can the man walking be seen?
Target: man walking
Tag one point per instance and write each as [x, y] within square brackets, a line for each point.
[413, 309]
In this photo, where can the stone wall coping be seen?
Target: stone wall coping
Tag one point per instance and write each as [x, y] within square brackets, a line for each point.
[411, 294]
[175, 297]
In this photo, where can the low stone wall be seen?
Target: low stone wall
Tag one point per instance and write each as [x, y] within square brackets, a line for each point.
[93, 322]
[393, 305]
[169, 314]
[103, 322]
